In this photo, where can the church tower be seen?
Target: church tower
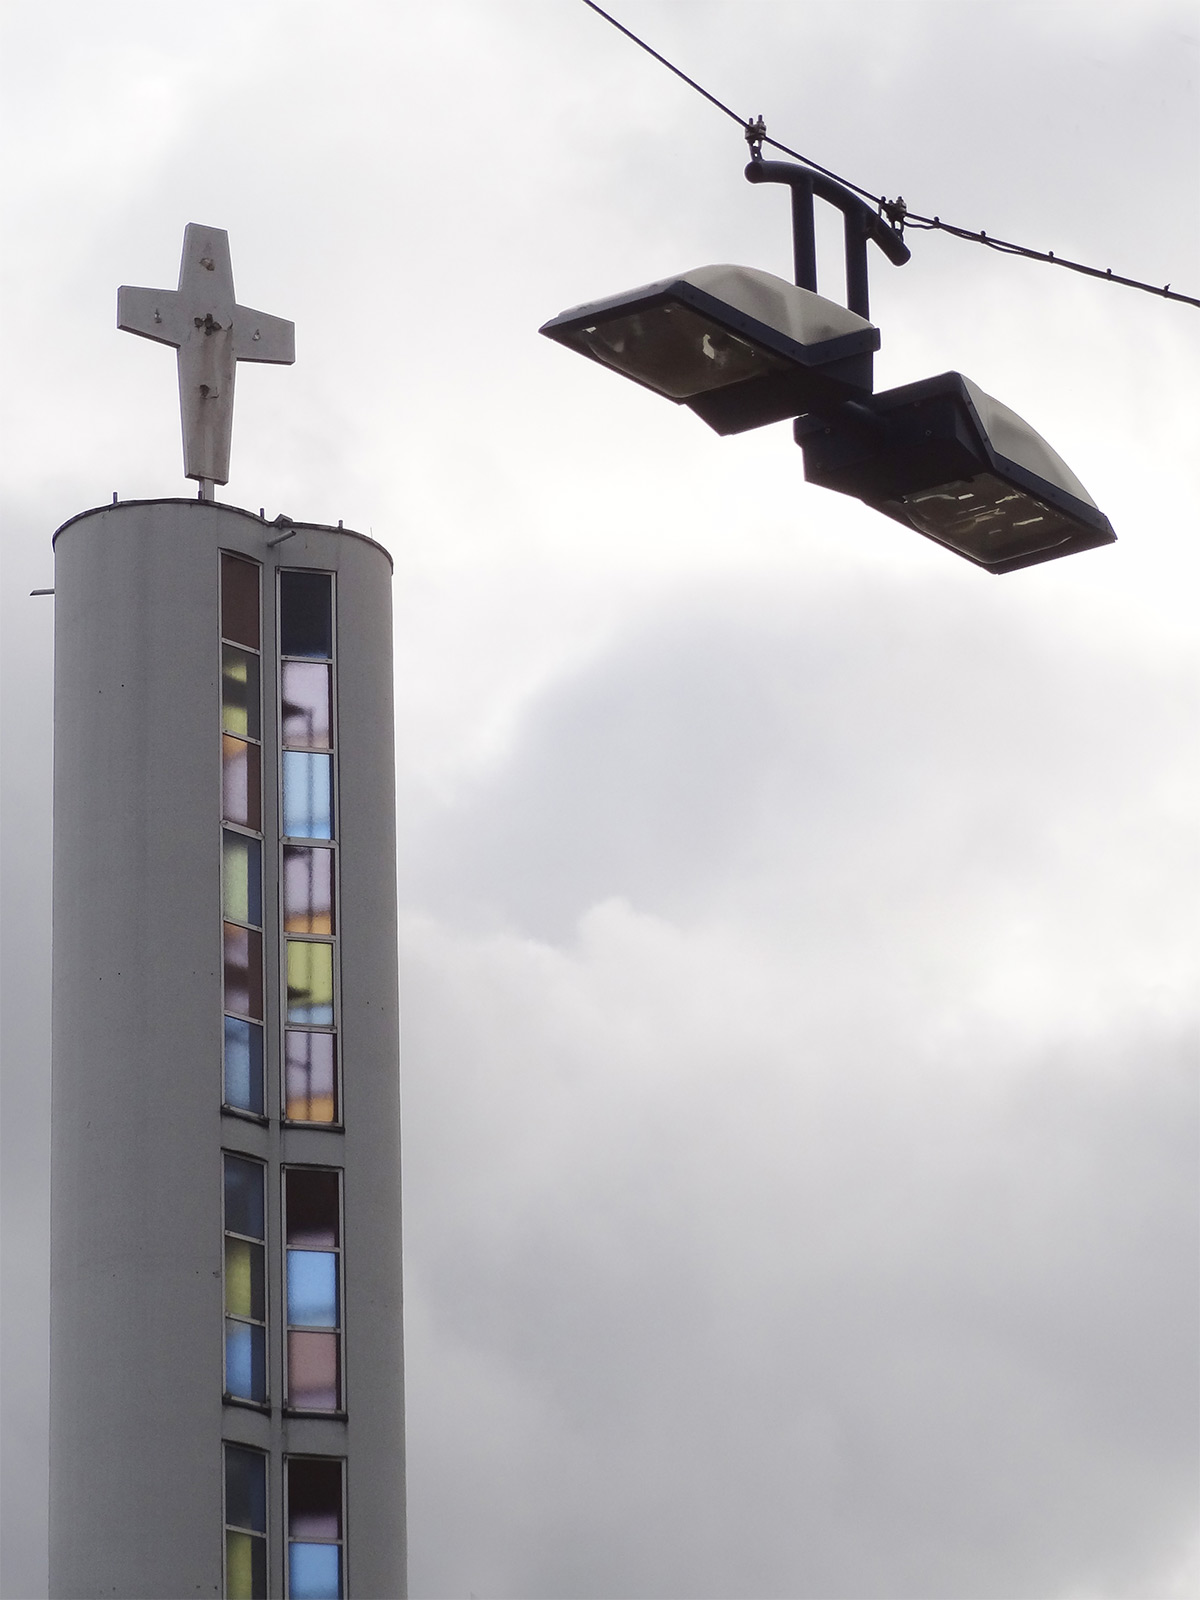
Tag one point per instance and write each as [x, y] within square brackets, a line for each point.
[226, 1341]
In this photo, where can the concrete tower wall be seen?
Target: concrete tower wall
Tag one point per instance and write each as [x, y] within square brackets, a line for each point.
[137, 1416]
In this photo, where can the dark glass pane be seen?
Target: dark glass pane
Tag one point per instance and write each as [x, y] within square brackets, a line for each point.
[305, 615]
[312, 1208]
[314, 1509]
[245, 1488]
[315, 1571]
[306, 717]
[307, 795]
[246, 1360]
[245, 1280]
[310, 1077]
[307, 889]
[239, 692]
[243, 970]
[242, 877]
[239, 600]
[309, 983]
[245, 1567]
[244, 1065]
[313, 1372]
[244, 1197]
[241, 781]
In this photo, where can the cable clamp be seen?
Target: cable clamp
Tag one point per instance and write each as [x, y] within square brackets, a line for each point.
[895, 211]
[756, 132]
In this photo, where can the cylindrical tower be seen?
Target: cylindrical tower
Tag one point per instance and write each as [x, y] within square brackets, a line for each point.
[226, 1357]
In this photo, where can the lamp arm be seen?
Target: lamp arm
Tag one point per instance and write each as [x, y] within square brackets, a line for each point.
[859, 221]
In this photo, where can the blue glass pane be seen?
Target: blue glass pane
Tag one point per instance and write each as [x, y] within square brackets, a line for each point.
[244, 1197]
[307, 795]
[312, 1289]
[243, 1065]
[314, 1572]
[245, 1361]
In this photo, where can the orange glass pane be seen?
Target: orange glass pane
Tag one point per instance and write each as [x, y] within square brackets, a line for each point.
[307, 889]
[310, 1077]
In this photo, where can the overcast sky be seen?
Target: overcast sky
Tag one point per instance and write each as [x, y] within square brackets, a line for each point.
[798, 924]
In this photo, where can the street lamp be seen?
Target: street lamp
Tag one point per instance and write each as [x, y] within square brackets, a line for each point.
[950, 462]
[739, 347]
[742, 348]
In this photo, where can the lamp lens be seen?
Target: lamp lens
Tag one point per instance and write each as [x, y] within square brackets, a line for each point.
[676, 351]
[985, 518]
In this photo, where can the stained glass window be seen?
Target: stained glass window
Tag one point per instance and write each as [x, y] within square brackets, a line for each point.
[315, 1528]
[245, 1523]
[245, 1280]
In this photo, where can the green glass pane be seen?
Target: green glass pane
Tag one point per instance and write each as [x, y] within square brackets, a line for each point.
[242, 878]
[239, 692]
[245, 1566]
[245, 1294]
[309, 983]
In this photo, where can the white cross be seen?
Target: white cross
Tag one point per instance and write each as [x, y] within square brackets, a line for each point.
[211, 333]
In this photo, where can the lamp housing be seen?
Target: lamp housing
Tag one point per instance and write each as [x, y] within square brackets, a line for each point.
[739, 347]
[957, 466]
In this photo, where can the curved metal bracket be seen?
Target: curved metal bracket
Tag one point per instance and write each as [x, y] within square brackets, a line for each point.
[860, 224]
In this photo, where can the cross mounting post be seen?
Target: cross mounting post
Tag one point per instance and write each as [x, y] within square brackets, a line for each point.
[211, 334]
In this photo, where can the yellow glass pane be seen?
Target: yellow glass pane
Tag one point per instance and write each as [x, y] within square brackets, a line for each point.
[242, 875]
[245, 1566]
[310, 983]
[239, 691]
[244, 1295]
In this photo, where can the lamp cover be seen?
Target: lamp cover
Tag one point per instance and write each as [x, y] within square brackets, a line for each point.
[740, 347]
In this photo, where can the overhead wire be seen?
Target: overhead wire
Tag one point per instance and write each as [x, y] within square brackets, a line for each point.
[895, 210]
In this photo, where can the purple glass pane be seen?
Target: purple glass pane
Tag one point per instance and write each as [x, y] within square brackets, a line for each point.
[243, 970]
[241, 782]
[306, 705]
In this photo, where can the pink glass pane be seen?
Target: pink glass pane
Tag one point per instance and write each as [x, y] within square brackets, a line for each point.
[313, 1377]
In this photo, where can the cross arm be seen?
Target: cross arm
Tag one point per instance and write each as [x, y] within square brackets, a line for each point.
[258, 337]
[152, 314]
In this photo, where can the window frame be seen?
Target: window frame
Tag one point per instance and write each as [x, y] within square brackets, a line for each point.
[339, 1329]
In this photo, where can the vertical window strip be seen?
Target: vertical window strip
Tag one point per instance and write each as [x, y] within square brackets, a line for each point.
[313, 1285]
[245, 1280]
[316, 1528]
[245, 1523]
[308, 863]
[241, 833]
